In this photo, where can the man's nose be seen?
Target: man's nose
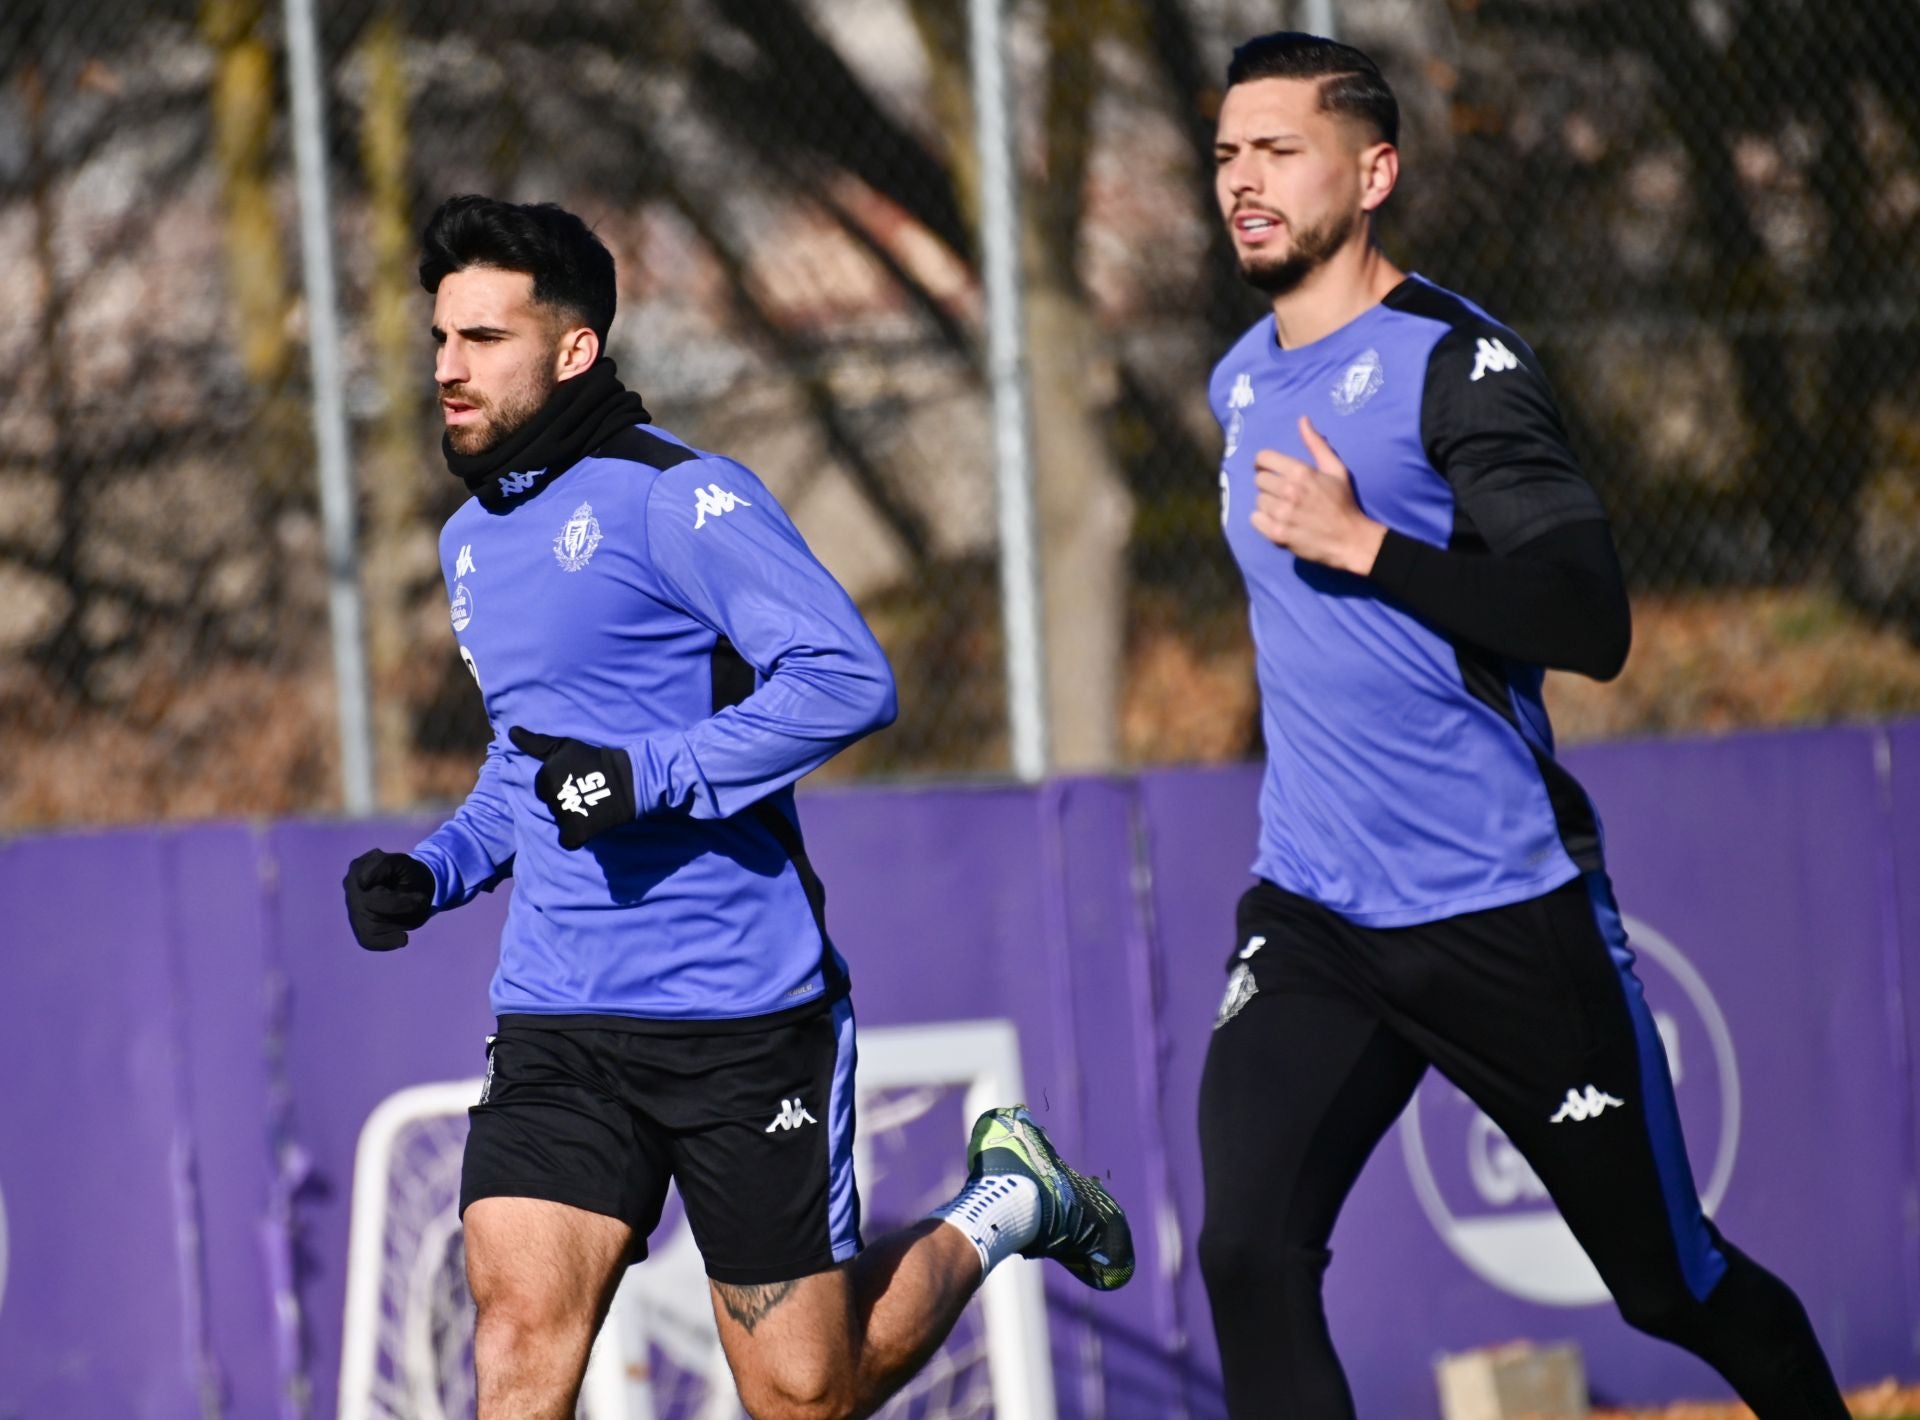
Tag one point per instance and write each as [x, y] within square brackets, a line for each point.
[449, 365]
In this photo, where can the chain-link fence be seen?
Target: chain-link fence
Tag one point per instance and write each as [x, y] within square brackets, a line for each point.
[1700, 215]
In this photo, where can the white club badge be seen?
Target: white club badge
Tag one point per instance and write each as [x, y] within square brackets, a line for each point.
[1358, 383]
[574, 547]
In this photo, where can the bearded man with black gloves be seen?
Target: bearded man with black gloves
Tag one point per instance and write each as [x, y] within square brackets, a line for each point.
[661, 658]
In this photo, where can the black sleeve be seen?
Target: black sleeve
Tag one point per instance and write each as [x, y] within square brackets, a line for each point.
[1489, 425]
[1558, 600]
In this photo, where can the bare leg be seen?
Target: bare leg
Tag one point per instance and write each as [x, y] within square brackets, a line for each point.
[835, 1345]
[908, 1290]
[542, 1275]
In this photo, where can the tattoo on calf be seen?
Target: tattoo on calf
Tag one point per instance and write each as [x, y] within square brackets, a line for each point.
[749, 1305]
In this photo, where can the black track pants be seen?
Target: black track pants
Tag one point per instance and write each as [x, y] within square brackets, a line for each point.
[1534, 1011]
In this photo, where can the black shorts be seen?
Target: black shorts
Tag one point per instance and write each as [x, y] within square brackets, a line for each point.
[756, 1128]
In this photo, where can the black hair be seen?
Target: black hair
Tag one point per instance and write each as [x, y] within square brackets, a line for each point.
[572, 269]
[1351, 83]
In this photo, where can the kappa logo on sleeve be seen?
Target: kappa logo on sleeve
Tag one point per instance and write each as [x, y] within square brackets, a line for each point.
[712, 501]
[1491, 357]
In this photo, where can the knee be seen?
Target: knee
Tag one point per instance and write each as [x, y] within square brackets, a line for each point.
[1222, 1263]
[513, 1320]
[1666, 1310]
[799, 1387]
[1233, 1259]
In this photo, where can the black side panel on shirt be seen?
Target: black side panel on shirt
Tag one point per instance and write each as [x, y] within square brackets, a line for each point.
[733, 678]
[1488, 678]
[733, 681]
[1485, 677]
[1489, 424]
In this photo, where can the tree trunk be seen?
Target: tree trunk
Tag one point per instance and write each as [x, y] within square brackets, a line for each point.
[1086, 512]
[1085, 516]
[400, 560]
[243, 109]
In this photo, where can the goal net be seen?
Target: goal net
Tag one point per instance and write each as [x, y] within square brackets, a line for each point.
[407, 1345]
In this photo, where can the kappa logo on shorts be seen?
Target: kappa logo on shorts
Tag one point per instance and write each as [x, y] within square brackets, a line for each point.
[1581, 1106]
[792, 1115]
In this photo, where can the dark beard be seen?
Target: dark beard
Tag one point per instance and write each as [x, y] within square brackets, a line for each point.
[504, 419]
[578, 416]
[1311, 248]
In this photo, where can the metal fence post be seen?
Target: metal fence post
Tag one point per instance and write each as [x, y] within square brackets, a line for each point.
[1007, 382]
[344, 613]
[1317, 18]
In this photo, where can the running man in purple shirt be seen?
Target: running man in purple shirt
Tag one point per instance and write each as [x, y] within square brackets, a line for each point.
[1419, 544]
[661, 658]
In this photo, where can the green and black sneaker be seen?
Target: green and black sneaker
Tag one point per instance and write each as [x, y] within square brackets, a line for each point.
[1081, 1227]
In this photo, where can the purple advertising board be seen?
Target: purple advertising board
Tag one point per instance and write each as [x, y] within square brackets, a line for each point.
[198, 1043]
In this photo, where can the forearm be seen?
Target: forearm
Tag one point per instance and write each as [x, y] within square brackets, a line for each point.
[462, 864]
[1559, 601]
[472, 851]
[790, 726]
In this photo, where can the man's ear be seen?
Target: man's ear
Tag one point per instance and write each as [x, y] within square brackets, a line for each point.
[1379, 172]
[579, 348]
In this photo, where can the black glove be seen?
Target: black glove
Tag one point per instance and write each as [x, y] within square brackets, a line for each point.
[388, 894]
[587, 788]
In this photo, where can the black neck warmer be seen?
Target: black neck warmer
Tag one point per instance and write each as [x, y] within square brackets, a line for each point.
[581, 414]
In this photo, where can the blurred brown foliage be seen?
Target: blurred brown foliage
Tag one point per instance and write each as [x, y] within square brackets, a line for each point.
[1701, 217]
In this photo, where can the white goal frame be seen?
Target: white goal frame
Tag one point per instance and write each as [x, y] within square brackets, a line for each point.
[981, 1056]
